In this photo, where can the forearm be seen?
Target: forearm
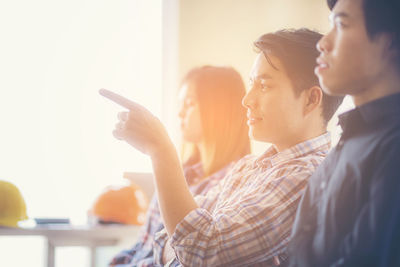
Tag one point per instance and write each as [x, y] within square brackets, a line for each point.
[175, 199]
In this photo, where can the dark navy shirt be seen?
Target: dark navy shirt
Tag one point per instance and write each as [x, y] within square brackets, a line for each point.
[350, 212]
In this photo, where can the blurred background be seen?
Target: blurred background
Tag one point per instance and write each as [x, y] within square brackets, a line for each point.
[56, 143]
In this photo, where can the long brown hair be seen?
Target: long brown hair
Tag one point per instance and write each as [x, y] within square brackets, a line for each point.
[219, 92]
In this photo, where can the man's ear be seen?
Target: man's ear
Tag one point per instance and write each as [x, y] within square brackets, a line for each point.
[313, 99]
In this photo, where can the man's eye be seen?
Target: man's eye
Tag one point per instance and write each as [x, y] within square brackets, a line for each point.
[339, 24]
[265, 87]
[190, 103]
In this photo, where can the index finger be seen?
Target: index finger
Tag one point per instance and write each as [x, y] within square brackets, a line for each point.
[120, 100]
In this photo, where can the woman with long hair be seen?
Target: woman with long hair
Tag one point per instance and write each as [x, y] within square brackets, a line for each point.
[214, 134]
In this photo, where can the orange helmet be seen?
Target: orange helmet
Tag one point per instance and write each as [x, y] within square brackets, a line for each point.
[124, 204]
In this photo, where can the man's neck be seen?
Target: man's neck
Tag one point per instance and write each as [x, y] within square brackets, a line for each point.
[387, 84]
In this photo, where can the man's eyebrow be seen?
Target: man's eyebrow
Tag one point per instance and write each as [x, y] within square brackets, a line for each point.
[263, 76]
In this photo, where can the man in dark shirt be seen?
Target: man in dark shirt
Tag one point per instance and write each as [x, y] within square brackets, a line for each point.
[350, 212]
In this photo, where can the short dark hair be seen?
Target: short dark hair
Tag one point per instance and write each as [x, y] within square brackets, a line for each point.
[381, 16]
[296, 49]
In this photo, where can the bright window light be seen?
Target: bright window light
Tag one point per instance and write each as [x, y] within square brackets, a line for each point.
[56, 138]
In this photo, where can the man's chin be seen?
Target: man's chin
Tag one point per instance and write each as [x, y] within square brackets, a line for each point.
[252, 134]
[256, 136]
[331, 89]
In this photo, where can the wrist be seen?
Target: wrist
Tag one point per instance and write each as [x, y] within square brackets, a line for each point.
[162, 150]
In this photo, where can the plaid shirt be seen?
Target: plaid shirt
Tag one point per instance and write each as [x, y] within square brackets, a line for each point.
[247, 218]
[141, 254]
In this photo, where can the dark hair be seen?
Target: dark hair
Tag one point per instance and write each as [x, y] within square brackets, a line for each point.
[381, 16]
[296, 49]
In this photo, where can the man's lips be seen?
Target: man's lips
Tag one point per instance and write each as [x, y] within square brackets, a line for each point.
[252, 120]
[321, 65]
[182, 124]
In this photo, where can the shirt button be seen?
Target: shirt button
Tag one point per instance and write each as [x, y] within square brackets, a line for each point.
[338, 263]
[323, 185]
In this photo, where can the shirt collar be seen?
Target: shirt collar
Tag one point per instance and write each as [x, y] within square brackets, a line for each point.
[271, 156]
[372, 112]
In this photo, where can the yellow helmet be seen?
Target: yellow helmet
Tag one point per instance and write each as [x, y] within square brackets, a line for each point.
[12, 205]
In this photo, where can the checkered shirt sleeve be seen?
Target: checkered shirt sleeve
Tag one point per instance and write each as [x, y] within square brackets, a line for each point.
[141, 254]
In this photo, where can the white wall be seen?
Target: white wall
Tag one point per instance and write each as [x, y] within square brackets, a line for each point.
[223, 31]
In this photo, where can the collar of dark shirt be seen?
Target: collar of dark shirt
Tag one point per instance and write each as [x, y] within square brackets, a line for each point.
[371, 113]
[272, 157]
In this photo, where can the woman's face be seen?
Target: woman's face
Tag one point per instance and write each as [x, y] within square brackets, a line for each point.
[189, 114]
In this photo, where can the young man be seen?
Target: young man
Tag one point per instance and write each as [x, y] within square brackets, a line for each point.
[350, 213]
[246, 219]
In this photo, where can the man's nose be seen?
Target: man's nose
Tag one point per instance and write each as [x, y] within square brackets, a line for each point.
[248, 100]
[323, 44]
